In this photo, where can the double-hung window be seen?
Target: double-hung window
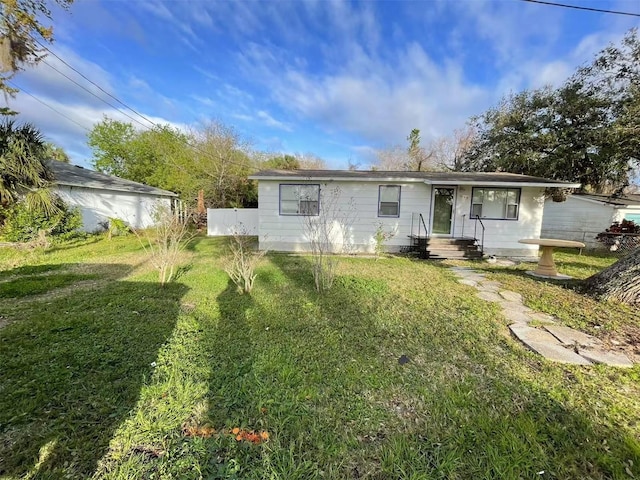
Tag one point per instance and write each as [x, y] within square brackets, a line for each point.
[299, 199]
[389, 201]
[496, 203]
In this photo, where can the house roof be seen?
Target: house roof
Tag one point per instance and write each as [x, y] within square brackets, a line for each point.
[76, 176]
[433, 178]
[622, 201]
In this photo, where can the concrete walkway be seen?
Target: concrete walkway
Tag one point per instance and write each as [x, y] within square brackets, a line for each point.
[554, 342]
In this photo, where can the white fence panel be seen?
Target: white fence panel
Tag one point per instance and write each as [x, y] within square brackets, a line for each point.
[225, 221]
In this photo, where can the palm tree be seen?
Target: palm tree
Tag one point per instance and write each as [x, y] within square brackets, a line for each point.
[55, 152]
[24, 174]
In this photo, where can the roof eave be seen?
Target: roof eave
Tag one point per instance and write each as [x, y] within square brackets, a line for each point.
[158, 193]
[503, 184]
[332, 179]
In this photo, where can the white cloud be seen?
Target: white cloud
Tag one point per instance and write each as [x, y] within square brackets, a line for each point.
[381, 102]
[269, 121]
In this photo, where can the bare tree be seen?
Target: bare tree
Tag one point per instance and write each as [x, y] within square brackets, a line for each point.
[393, 158]
[415, 158]
[450, 151]
[219, 165]
[310, 161]
[328, 233]
[243, 258]
[165, 241]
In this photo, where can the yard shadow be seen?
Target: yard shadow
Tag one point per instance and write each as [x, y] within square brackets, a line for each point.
[72, 369]
[81, 241]
[277, 364]
[192, 245]
[497, 412]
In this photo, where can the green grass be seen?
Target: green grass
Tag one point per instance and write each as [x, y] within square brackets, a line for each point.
[106, 379]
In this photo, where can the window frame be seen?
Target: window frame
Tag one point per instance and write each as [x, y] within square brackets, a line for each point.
[506, 206]
[298, 214]
[399, 187]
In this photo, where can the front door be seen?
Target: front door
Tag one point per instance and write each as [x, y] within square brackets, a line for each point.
[444, 200]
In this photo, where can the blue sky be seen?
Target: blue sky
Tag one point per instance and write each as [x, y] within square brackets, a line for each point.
[336, 79]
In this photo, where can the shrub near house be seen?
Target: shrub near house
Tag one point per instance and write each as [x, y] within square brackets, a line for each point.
[23, 224]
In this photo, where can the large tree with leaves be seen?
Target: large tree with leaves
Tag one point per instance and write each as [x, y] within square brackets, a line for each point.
[21, 30]
[583, 131]
[212, 159]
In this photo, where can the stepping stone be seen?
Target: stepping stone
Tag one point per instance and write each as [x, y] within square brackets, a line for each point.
[516, 316]
[465, 281]
[491, 284]
[488, 288]
[472, 275]
[569, 336]
[613, 359]
[514, 306]
[541, 317]
[511, 296]
[489, 296]
[546, 345]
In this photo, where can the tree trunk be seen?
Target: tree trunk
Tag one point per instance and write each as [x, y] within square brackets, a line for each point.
[620, 281]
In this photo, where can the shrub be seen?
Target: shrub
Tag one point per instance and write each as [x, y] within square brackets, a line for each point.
[242, 260]
[165, 241]
[24, 224]
[381, 237]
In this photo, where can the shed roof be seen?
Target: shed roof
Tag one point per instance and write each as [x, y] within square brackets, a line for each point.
[435, 178]
[76, 176]
[622, 201]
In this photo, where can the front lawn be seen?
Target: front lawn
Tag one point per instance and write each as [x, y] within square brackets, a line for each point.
[104, 373]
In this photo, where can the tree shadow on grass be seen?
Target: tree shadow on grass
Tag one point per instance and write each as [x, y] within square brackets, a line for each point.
[277, 361]
[71, 370]
[465, 411]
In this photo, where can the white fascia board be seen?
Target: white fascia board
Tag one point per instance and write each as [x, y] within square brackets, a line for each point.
[337, 179]
[504, 184]
[164, 193]
[604, 203]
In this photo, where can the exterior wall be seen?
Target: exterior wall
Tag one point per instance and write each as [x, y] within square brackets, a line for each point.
[501, 236]
[287, 233]
[358, 201]
[576, 219]
[226, 221]
[97, 205]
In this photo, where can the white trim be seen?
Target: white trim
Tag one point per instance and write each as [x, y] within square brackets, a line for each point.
[447, 182]
[335, 179]
[502, 184]
[155, 192]
[603, 202]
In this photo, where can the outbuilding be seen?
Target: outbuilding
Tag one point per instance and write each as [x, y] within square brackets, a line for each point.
[100, 196]
[583, 216]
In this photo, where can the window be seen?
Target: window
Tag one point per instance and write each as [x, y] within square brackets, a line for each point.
[495, 203]
[299, 199]
[389, 201]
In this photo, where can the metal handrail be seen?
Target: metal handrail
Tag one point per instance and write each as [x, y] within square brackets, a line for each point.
[475, 227]
[426, 232]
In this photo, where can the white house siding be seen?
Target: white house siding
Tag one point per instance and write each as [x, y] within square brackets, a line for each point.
[227, 221]
[578, 219]
[501, 236]
[287, 233]
[98, 205]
